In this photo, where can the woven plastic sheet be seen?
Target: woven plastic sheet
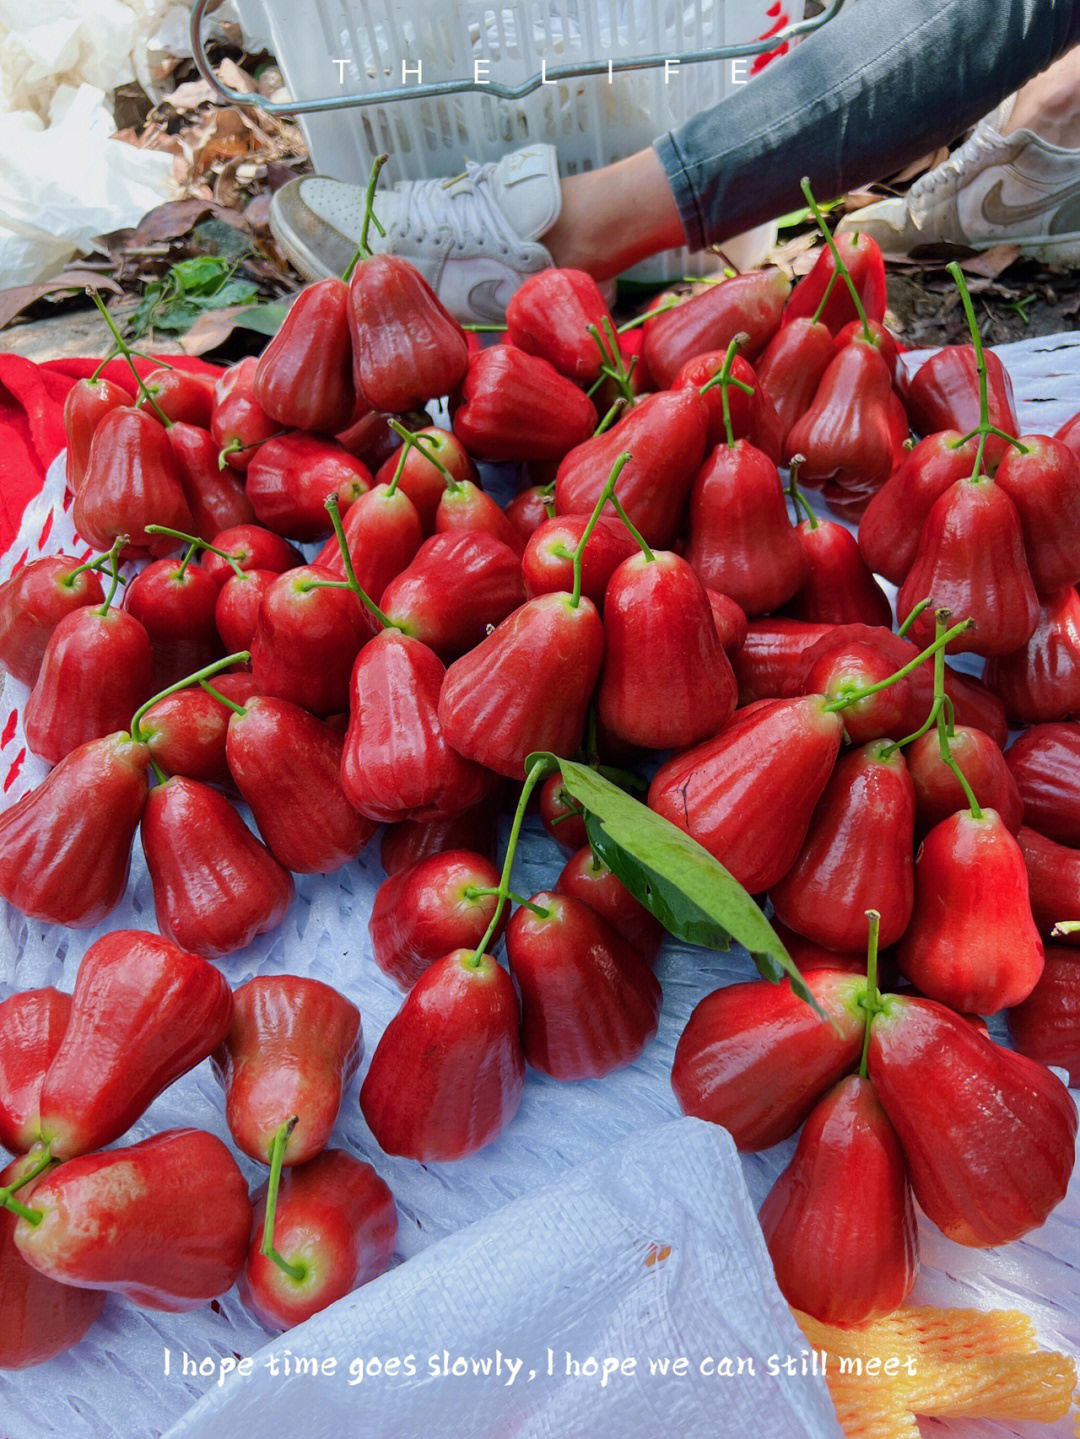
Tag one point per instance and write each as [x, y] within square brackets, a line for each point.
[487, 1287]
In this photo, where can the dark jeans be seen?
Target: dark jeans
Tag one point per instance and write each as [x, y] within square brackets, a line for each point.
[882, 84]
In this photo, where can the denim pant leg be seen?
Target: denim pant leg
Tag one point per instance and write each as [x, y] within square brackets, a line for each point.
[882, 84]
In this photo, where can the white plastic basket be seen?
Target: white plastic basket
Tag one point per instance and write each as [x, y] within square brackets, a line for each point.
[353, 46]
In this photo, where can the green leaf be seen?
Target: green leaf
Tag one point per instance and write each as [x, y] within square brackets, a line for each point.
[675, 878]
[263, 319]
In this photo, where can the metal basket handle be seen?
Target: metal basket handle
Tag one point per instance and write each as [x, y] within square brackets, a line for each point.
[492, 87]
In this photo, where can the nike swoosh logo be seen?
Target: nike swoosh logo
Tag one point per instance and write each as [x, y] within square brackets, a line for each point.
[997, 212]
[484, 301]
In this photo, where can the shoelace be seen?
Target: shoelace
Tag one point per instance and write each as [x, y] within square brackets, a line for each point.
[983, 142]
[469, 210]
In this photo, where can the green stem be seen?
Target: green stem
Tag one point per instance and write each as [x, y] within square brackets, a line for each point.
[43, 1161]
[351, 582]
[540, 769]
[196, 543]
[913, 616]
[32, 1216]
[927, 725]
[241, 657]
[112, 559]
[223, 699]
[796, 496]
[647, 315]
[635, 533]
[944, 727]
[935, 649]
[474, 891]
[610, 418]
[277, 1156]
[724, 380]
[188, 555]
[425, 444]
[482, 329]
[607, 493]
[123, 348]
[816, 317]
[872, 998]
[159, 773]
[363, 250]
[838, 260]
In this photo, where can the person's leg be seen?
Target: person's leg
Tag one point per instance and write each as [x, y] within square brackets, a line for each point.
[1049, 105]
[875, 88]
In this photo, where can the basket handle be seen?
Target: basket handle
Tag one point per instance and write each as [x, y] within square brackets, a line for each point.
[501, 92]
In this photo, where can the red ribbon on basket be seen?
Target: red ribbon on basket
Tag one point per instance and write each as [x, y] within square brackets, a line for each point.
[32, 422]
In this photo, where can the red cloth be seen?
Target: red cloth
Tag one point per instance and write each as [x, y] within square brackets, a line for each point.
[32, 422]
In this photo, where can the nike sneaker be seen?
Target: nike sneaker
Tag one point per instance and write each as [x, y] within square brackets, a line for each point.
[993, 190]
[475, 237]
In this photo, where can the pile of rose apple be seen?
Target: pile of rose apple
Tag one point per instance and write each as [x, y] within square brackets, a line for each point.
[647, 592]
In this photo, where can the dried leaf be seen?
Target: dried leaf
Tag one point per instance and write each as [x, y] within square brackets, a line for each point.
[990, 263]
[16, 299]
[215, 326]
[921, 165]
[859, 199]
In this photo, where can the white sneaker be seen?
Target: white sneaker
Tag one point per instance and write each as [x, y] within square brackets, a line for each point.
[995, 189]
[475, 237]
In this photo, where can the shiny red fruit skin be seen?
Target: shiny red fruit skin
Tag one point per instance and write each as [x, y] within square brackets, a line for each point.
[253, 548]
[526, 687]
[756, 1058]
[1046, 1027]
[214, 496]
[587, 878]
[753, 417]
[455, 587]
[1044, 485]
[215, 885]
[177, 612]
[420, 478]
[666, 681]
[865, 264]
[770, 654]
[751, 304]
[665, 435]
[514, 406]
[989, 1135]
[549, 316]
[185, 732]
[397, 761]
[1053, 881]
[839, 669]
[747, 795]
[287, 765]
[589, 1001]
[32, 1026]
[143, 1013]
[561, 815]
[742, 541]
[857, 855]
[124, 1220]
[41, 1317]
[86, 405]
[33, 602]
[407, 348]
[304, 378]
[1045, 763]
[1041, 682]
[291, 1048]
[839, 588]
[839, 1222]
[730, 621]
[65, 847]
[447, 1075]
[96, 671]
[131, 481]
[336, 1218]
[892, 522]
[938, 793]
[236, 609]
[290, 478]
[972, 942]
[383, 533]
[182, 396]
[424, 912]
[306, 639]
[944, 395]
[547, 563]
[410, 840]
[791, 368]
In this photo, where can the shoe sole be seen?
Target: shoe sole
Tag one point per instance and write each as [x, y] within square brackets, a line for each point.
[299, 258]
